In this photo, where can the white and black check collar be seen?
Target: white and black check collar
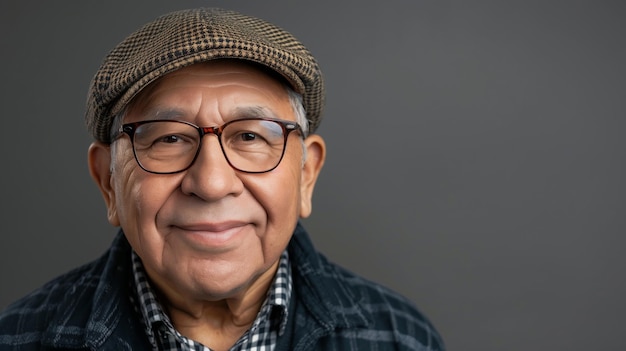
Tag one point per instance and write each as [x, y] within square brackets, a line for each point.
[270, 322]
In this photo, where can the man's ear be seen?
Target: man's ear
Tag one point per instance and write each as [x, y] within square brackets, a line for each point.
[99, 160]
[315, 156]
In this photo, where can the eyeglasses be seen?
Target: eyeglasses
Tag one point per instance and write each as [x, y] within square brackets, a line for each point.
[250, 145]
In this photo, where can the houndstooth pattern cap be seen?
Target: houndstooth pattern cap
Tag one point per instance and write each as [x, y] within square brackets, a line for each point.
[182, 38]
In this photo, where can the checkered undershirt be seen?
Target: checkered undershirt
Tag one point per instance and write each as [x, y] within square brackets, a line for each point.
[269, 323]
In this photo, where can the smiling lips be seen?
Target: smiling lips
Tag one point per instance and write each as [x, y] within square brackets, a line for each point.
[212, 235]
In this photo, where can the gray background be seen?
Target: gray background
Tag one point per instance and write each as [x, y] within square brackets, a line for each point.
[476, 155]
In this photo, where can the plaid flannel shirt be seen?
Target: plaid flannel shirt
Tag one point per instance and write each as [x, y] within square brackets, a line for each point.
[331, 309]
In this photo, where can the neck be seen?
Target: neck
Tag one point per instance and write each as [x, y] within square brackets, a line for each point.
[217, 322]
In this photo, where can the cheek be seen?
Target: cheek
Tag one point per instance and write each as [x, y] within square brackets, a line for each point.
[279, 193]
[139, 196]
[280, 202]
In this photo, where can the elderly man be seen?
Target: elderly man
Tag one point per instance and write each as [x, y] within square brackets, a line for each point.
[205, 155]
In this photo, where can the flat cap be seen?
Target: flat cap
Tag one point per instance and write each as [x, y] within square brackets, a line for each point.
[182, 38]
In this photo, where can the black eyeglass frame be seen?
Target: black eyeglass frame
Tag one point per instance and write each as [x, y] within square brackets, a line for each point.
[287, 127]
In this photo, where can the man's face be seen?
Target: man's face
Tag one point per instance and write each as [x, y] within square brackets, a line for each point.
[210, 232]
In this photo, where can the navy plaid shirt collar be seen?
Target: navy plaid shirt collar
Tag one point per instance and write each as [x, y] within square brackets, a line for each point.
[270, 322]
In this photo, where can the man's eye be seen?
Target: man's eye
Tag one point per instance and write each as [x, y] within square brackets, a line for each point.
[248, 136]
[169, 139]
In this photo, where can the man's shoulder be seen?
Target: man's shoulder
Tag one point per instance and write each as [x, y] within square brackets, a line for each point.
[388, 312]
[33, 312]
[355, 312]
[373, 295]
[63, 305]
[386, 308]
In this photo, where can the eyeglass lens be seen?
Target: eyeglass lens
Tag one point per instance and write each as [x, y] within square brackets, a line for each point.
[252, 145]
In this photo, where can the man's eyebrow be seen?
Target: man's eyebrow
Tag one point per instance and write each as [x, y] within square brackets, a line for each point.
[158, 113]
[254, 111]
[163, 113]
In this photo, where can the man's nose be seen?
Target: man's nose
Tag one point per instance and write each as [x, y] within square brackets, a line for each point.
[211, 177]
